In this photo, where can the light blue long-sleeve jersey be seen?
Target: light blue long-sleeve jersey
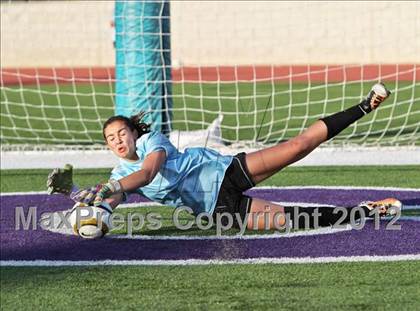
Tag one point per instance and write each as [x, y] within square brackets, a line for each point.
[192, 178]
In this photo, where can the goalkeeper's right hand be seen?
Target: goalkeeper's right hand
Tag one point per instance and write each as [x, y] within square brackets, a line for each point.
[60, 180]
[86, 195]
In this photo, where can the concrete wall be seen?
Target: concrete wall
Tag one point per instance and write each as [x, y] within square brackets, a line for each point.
[56, 33]
[78, 33]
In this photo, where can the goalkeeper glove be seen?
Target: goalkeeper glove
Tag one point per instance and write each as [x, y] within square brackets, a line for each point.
[106, 190]
[86, 195]
[60, 180]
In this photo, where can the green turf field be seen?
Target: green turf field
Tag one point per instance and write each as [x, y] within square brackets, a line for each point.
[263, 111]
[405, 176]
[327, 286]
[339, 286]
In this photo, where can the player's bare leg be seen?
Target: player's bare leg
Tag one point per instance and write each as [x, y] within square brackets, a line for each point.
[265, 163]
[265, 215]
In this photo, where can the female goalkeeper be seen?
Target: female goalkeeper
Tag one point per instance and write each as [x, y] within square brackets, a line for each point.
[207, 181]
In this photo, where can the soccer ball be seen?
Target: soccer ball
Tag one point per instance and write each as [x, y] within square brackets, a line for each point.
[90, 222]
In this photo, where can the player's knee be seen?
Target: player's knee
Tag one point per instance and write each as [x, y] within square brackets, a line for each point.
[301, 145]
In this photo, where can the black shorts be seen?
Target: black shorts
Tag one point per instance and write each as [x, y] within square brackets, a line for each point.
[231, 198]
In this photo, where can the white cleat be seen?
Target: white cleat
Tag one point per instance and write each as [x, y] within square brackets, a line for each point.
[376, 96]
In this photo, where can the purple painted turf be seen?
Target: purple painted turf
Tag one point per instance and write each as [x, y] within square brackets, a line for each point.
[40, 244]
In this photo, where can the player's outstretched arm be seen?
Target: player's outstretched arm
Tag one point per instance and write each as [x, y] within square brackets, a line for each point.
[150, 167]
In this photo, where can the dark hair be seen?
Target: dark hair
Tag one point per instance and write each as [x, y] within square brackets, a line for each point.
[134, 123]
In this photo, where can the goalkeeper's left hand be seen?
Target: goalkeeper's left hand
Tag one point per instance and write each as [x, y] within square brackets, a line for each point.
[106, 190]
[60, 180]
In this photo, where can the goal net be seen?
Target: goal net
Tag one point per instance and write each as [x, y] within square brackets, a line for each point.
[263, 70]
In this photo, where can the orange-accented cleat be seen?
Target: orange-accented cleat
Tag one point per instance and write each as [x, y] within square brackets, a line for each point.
[376, 96]
[386, 207]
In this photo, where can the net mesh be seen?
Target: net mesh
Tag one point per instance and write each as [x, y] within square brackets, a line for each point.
[57, 75]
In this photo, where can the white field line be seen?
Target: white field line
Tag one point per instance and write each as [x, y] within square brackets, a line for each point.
[410, 207]
[22, 193]
[327, 156]
[140, 204]
[278, 235]
[148, 204]
[270, 188]
[326, 230]
[197, 262]
[302, 204]
[339, 188]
